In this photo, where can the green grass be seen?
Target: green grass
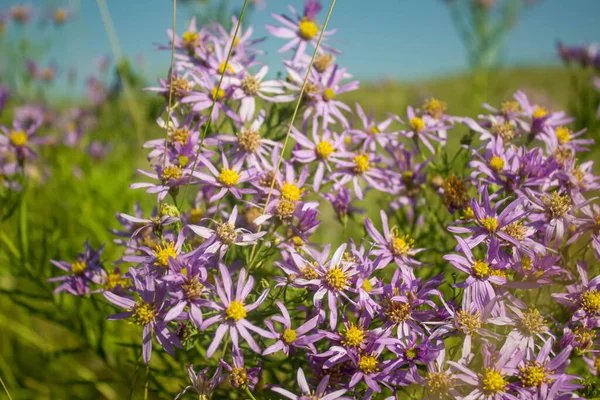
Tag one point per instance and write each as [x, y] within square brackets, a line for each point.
[58, 346]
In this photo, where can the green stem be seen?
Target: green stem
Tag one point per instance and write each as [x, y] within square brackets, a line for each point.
[250, 393]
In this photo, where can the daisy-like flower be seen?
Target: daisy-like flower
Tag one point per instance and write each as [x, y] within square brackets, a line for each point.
[171, 176]
[87, 269]
[423, 129]
[191, 41]
[248, 144]
[482, 272]
[341, 202]
[439, 381]
[372, 133]
[564, 138]
[320, 95]
[249, 87]
[204, 99]
[232, 311]
[225, 234]
[320, 150]
[320, 393]
[181, 85]
[300, 29]
[243, 44]
[539, 116]
[239, 376]
[357, 167]
[20, 139]
[228, 180]
[297, 338]
[492, 225]
[202, 385]
[393, 246]
[583, 298]
[148, 312]
[160, 255]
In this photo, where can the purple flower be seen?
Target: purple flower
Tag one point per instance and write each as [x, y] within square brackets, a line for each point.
[227, 180]
[372, 133]
[320, 393]
[202, 385]
[297, 338]
[232, 311]
[424, 129]
[240, 376]
[148, 312]
[87, 269]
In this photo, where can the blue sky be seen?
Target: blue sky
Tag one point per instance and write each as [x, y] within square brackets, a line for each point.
[401, 39]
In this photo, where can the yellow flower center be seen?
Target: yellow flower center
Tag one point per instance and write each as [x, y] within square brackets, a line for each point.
[289, 336]
[286, 208]
[181, 135]
[435, 107]
[505, 130]
[471, 323]
[361, 163]
[328, 94]
[515, 230]
[439, 383]
[226, 233]
[172, 172]
[597, 365]
[235, 311]
[412, 353]
[196, 215]
[297, 240]
[190, 39]
[481, 269]
[78, 267]
[291, 192]
[590, 301]
[539, 112]
[468, 213]
[417, 124]
[563, 134]
[250, 85]
[533, 374]
[309, 272]
[225, 67]
[353, 336]
[557, 205]
[367, 286]
[533, 322]
[114, 279]
[324, 150]
[493, 381]
[397, 311]
[323, 62]
[401, 245]
[497, 163]
[249, 140]
[183, 160]
[163, 253]
[217, 95]
[18, 138]
[193, 288]
[336, 278]
[228, 177]
[367, 364]
[308, 29]
[143, 313]
[526, 263]
[509, 107]
[239, 377]
[490, 224]
[455, 192]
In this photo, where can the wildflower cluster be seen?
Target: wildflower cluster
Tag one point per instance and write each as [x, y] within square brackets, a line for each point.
[455, 286]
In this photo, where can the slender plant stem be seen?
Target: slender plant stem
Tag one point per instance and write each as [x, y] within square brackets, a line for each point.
[250, 393]
[287, 136]
[171, 73]
[5, 389]
[212, 107]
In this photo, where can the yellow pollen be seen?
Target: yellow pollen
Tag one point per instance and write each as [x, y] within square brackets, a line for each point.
[228, 177]
[286, 208]
[505, 130]
[238, 378]
[597, 366]
[515, 230]
[490, 224]
[397, 311]
[373, 131]
[172, 172]
[563, 134]
[407, 177]
[455, 192]
[289, 336]
[439, 383]
[417, 124]
[328, 94]
[323, 62]
[353, 336]
[18, 138]
[143, 313]
[362, 163]
[307, 29]
[412, 353]
[509, 107]
[481, 269]
[557, 205]
[526, 263]
[324, 150]
[78, 267]
[336, 278]
[114, 279]
[196, 215]
[249, 140]
[291, 192]
[401, 245]
[181, 135]
[224, 67]
[235, 311]
[533, 374]
[497, 164]
[367, 286]
[590, 301]
[297, 240]
[226, 233]
[533, 322]
[183, 160]
[471, 323]
[193, 288]
[309, 272]
[539, 112]
[190, 39]
[435, 107]
[493, 381]
[468, 213]
[367, 364]
[250, 85]
[217, 95]
[163, 253]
